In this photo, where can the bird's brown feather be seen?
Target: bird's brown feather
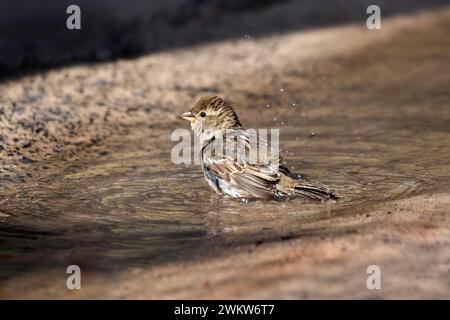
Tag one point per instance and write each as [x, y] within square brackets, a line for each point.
[259, 179]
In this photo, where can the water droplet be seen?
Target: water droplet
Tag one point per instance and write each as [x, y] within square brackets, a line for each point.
[275, 119]
[268, 106]
[282, 90]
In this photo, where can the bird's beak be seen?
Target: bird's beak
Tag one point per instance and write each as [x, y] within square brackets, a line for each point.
[188, 116]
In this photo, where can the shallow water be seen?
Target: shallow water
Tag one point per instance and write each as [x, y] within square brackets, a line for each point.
[133, 207]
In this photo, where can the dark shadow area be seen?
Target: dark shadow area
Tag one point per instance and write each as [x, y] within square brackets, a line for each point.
[34, 36]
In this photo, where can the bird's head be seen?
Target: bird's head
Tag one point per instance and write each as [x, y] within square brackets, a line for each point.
[211, 113]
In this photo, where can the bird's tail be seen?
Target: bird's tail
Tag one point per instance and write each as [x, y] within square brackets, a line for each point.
[314, 191]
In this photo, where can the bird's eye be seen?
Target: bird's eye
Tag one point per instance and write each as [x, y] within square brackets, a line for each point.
[203, 114]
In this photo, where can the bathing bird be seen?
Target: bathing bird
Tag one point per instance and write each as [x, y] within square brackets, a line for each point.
[237, 174]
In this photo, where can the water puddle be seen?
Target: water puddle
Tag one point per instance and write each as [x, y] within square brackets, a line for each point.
[133, 207]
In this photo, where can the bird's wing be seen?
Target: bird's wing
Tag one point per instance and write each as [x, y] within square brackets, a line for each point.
[258, 178]
[258, 181]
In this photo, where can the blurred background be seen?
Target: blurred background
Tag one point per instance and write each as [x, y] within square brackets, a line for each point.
[33, 34]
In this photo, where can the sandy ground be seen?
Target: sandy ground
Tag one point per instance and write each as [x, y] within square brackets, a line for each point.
[408, 238]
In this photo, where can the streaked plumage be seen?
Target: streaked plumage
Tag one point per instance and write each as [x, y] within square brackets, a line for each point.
[213, 120]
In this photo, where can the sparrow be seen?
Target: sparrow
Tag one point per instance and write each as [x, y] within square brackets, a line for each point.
[215, 123]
